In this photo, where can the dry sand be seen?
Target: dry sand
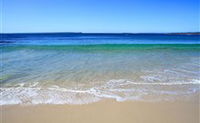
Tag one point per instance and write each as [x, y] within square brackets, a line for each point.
[106, 111]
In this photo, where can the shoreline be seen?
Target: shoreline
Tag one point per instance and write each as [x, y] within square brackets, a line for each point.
[105, 111]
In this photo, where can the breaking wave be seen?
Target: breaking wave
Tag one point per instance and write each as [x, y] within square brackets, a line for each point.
[120, 90]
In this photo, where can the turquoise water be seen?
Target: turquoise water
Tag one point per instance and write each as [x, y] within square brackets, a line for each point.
[69, 73]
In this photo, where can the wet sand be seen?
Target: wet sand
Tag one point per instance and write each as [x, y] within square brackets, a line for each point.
[106, 111]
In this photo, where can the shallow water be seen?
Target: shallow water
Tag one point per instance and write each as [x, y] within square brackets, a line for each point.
[59, 69]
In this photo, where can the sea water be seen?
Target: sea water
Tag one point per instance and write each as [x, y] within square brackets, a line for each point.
[76, 68]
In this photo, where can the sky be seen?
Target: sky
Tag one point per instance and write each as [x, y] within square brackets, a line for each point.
[103, 16]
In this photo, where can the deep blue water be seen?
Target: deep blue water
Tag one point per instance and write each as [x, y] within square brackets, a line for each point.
[89, 38]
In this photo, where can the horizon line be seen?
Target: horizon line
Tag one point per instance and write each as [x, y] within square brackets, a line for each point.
[102, 32]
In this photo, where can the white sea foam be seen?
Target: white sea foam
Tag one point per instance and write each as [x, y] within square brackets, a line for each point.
[119, 90]
[123, 81]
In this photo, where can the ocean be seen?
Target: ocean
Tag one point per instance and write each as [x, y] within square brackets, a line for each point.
[81, 68]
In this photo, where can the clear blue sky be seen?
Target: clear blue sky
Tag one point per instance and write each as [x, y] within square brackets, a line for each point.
[100, 16]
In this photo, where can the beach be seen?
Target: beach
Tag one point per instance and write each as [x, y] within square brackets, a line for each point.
[99, 78]
[99, 61]
[105, 111]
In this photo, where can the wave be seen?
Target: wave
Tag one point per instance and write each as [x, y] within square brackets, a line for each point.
[120, 90]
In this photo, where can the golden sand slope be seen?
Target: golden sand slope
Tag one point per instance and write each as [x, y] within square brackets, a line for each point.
[107, 111]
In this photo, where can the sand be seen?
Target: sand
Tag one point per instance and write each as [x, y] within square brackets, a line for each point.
[106, 111]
